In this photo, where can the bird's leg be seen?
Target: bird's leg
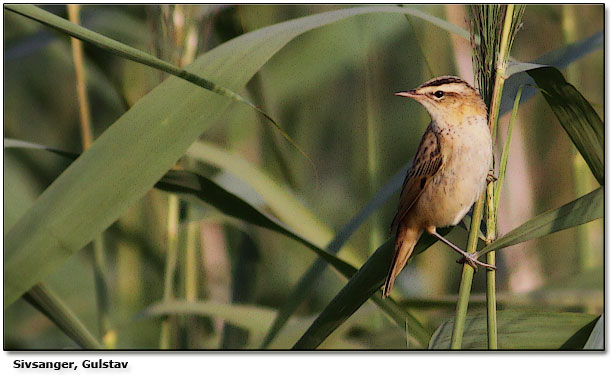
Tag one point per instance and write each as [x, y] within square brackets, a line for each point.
[467, 257]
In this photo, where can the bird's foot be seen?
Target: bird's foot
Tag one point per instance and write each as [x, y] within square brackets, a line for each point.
[491, 177]
[472, 260]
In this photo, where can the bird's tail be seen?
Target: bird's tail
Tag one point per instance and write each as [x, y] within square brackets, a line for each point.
[404, 245]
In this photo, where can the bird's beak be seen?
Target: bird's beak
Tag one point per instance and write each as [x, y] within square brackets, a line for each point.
[409, 94]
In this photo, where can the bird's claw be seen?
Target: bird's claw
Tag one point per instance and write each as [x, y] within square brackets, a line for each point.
[491, 177]
[471, 260]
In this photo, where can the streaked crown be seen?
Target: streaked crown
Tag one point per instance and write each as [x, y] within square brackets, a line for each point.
[448, 99]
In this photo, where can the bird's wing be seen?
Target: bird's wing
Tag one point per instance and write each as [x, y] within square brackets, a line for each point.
[427, 162]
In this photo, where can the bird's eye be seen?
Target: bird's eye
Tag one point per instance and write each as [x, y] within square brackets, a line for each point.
[438, 94]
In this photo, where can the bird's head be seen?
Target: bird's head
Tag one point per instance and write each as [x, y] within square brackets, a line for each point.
[448, 99]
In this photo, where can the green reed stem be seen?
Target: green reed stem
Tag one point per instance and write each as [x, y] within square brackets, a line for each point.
[485, 18]
[170, 266]
[491, 219]
[467, 277]
[582, 181]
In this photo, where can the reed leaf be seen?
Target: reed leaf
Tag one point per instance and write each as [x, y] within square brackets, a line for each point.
[135, 152]
[555, 331]
[364, 284]
[580, 211]
[576, 116]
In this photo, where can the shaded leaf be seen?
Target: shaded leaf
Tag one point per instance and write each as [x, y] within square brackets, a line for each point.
[582, 210]
[308, 281]
[361, 287]
[523, 330]
[576, 116]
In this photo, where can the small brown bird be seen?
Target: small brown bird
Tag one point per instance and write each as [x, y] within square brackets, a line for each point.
[449, 169]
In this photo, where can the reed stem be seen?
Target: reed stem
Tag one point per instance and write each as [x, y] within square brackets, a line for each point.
[170, 266]
[491, 218]
[467, 277]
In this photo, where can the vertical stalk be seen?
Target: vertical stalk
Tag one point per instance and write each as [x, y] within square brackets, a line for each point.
[491, 58]
[81, 85]
[491, 211]
[99, 259]
[467, 277]
[170, 270]
[582, 181]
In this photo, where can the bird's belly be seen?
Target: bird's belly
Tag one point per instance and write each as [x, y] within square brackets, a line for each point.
[457, 186]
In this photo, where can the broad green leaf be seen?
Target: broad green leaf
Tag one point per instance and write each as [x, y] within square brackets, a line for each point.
[128, 158]
[596, 341]
[522, 330]
[576, 116]
[582, 210]
[363, 285]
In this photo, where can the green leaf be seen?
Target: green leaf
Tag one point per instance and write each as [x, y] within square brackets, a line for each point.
[361, 287]
[576, 116]
[308, 281]
[255, 319]
[596, 341]
[183, 182]
[49, 304]
[205, 190]
[559, 58]
[582, 210]
[121, 50]
[523, 330]
[129, 157]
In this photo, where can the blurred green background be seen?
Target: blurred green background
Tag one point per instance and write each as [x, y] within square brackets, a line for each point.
[332, 91]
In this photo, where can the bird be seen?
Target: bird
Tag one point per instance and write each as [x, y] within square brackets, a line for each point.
[449, 170]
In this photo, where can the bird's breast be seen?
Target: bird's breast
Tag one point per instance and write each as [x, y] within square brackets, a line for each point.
[467, 159]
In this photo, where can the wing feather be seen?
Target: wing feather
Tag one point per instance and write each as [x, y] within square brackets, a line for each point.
[427, 162]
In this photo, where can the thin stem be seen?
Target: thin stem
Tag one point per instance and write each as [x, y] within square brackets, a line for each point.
[170, 270]
[467, 277]
[81, 85]
[491, 211]
[99, 259]
[582, 182]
